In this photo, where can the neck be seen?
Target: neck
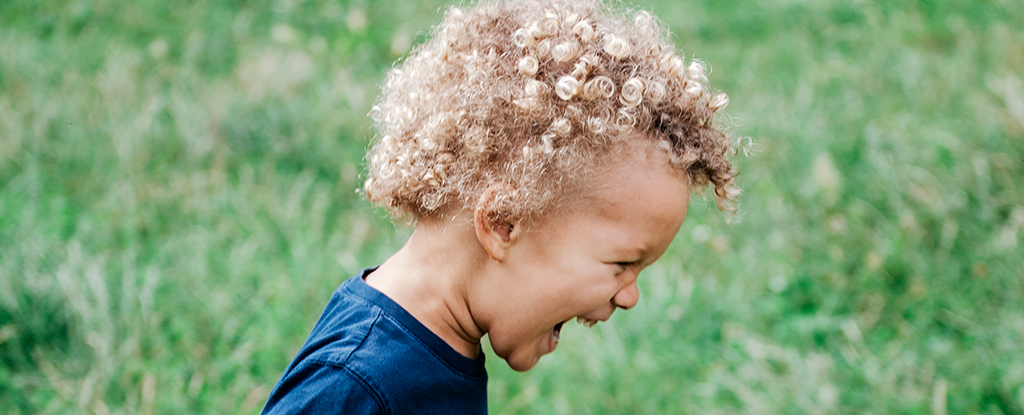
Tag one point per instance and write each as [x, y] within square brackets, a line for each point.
[431, 278]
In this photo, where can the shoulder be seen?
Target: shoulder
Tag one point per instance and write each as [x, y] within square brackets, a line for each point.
[343, 326]
[413, 376]
[322, 388]
[367, 351]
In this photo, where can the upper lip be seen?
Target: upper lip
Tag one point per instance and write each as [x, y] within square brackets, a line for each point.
[597, 315]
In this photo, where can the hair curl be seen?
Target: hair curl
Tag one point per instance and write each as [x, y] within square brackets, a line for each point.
[529, 95]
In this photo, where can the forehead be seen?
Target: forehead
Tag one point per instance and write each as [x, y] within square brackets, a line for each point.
[639, 197]
[642, 174]
[631, 168]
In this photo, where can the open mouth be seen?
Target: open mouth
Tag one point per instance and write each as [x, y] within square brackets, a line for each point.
[558, 330]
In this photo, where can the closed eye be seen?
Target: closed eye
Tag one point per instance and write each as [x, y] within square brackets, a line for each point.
[622, 267]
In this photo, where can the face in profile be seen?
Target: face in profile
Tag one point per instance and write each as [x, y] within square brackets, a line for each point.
[583, 263]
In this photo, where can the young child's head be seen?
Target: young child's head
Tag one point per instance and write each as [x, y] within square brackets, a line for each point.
[577, 121]
[521, 108]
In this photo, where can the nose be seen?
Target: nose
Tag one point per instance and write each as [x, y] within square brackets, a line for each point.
[627, 297]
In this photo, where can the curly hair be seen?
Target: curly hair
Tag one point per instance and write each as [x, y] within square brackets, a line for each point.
[531, 95]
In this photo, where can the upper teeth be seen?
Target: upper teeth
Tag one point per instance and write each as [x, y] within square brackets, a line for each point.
[586, 321]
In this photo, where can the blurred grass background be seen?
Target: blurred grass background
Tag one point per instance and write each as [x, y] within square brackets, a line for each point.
[177, 202]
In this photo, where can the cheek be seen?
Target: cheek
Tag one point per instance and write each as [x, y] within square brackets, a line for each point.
[516, 329]
[585, 283]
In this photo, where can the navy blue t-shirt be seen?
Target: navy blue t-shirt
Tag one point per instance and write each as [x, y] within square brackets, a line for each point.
[367, 355]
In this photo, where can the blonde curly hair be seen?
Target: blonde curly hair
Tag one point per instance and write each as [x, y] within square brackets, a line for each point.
[530, 96]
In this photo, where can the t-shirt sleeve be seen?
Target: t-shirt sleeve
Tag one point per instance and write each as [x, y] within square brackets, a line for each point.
[315, 388]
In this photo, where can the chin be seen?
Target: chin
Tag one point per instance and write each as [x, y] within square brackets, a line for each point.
[519, 360]
[519, 356]
[522, 365]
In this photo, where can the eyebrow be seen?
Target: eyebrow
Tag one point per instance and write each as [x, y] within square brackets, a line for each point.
[637, 254]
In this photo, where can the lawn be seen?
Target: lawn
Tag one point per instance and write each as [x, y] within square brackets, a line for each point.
[178, 200]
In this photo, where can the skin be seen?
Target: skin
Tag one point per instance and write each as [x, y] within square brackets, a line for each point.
[464, 277]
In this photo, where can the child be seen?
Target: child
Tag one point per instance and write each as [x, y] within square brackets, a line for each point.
[545, 152]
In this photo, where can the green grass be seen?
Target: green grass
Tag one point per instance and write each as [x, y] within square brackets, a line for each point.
[177, 202]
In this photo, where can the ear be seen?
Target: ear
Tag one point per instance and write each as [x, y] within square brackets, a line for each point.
[495, 231]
